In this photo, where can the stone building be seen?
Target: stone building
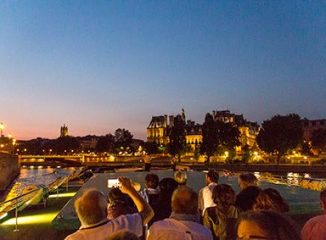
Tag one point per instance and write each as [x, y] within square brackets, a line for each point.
[158, 129]
[309, 126]
[194, 135]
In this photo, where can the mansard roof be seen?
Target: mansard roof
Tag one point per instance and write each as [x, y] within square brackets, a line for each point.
[157, 121]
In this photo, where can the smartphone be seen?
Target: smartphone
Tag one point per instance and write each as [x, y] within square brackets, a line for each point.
[113, 183]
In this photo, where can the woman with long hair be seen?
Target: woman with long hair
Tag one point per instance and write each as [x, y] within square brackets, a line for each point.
[221, 218]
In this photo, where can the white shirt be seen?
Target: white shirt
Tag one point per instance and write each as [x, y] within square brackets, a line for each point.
[144, 193]
[130, 222]
[205, 199]
[171, 229]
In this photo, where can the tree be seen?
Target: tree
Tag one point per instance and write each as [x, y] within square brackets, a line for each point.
[210, 137]
[218, 137]
[227, 136]
[151, 147]
[123, 138]
[247, 153]
[306, 148]
[105, 143]
[318, 138]
[67, 143]
[62, 145]
[280, 134]
[177, 137]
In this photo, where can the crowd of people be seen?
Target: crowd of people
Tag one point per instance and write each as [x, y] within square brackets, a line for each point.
[170, 209]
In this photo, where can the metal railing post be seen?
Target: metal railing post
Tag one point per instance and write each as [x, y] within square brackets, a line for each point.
[16, 217]
[57, 191]
[44, 201]
[67, 185]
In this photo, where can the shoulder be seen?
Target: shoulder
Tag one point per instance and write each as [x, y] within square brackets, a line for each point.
[198, 228]
[75, 236]
[314, 227]
[132, 222]
[321, 219]
[127, 219]
[205, 189]
[233, 211]
[165, 223]
[159, 226]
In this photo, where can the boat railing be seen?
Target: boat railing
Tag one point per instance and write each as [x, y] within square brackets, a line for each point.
[16, 203]
[19, 197]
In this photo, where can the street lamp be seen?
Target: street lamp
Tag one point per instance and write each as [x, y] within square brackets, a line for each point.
[2, 126]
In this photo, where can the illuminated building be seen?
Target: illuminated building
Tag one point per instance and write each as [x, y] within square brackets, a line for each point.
[194, 135]
[158, 129]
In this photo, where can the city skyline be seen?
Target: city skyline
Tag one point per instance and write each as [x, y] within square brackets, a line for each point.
[98, 66]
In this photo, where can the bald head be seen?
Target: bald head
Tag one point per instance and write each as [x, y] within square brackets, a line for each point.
[91, 207]
[184, 200]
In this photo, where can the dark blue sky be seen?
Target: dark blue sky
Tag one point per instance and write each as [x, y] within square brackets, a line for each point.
[100, 65]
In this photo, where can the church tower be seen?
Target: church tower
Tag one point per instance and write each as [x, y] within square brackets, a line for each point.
[64, 131]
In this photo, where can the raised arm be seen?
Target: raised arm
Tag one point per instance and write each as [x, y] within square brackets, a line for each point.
[143, 207]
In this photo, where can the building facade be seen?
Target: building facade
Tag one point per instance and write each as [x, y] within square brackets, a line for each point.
[158, 129]
[194, 135]
[309, 126]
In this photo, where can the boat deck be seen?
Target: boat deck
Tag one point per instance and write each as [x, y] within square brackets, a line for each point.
[36, 222]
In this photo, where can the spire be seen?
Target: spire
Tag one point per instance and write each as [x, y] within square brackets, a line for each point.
[183, 115]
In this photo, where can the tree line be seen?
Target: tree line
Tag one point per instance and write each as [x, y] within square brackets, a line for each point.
[122, 140]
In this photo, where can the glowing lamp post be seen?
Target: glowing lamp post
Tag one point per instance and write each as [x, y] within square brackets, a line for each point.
[2, 126]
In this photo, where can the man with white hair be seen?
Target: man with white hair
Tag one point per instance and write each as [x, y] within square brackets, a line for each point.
[184, 220]
[91, 209]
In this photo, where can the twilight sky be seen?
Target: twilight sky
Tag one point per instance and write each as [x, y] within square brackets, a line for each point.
[100, 65]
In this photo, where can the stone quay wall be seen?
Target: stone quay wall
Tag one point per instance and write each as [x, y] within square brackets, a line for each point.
[9, 169]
